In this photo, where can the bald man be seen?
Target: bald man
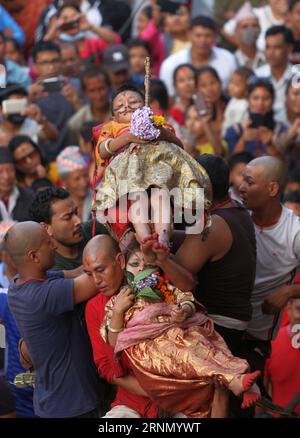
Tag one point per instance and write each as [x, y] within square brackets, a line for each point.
[277, 232]
[104, 262]
[66, 381]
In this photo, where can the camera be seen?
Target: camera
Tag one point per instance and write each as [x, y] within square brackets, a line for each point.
[14, 106]
[54, 84]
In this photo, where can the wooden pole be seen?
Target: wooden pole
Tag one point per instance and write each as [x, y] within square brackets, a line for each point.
[147, 80]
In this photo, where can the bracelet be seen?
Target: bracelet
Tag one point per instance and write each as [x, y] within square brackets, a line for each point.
[107, 148]
[191, 304]
[114, 330]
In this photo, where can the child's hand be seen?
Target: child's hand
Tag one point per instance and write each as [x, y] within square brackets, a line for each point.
[125, 300]
[133, 139]
[178, 314]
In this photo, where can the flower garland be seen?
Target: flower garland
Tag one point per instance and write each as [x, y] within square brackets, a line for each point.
[149, 284]
[145, 125]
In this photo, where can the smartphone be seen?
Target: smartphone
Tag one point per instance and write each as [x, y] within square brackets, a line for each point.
[200, 104]
[53, 84]
[14, 106]
[268, 121]
[257, 120]
[70, 25]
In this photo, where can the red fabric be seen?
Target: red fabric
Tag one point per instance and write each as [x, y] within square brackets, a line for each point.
[107, 366]
[177, 115]
[95, 47]
[282, 369]
[285, 318]
[157, 44]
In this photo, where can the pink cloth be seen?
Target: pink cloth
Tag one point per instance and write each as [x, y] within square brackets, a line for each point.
[157, 45]
[142, 326]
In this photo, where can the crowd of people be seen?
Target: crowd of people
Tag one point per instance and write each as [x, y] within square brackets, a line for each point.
[77, 338]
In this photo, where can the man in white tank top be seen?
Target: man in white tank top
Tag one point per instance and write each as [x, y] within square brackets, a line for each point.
[278, 243]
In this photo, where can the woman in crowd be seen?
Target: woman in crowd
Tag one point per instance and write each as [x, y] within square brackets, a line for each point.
[259, 132]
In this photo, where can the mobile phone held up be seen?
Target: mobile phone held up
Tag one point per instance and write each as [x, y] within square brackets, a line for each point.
[54, 84]
[200, 104]
[14, 106]
[258, 120]
[203, 108]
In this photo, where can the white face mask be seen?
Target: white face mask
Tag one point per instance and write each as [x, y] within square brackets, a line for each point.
[66, 38]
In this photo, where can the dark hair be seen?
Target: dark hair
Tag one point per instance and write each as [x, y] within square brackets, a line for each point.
[292, 4]
[127, 87]
[86, 130]
[44, 46]
[241, 157]
[218, 171]
[292, 197]
[93, 71]
[41, 184]
[40, 209]
[133, 247]
[2, 35]
[208, 69]
[261, 82]
[147, 10]
[14, 42]
[137, 42]
[12, 89]
[281, 30]
[68, 4]
[203, 21]
[186, 65]
[15, 142]
[158, 91]
[244, 72]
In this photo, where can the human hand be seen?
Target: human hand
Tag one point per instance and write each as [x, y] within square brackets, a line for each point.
[179, 314]
[70, 93]
[295, 128]
[133, 139]
[125, 300]
[84, 23]
[265, 134]
[249, 134]
[34, 112]
[41, 171]
[276, 300]
[36, 92]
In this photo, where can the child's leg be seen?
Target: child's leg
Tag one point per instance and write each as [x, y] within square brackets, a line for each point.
[138, 216]
[161, 214]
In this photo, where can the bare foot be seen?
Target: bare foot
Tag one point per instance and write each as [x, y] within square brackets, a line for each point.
[243, 382]
[164, 238]
[146, 247]
[251, 396]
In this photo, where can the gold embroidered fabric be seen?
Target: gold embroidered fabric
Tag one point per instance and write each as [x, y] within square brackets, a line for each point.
[163, 165]
[178, 368]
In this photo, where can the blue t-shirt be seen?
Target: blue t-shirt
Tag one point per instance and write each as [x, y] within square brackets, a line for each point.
[66, 379]
[23, 396]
